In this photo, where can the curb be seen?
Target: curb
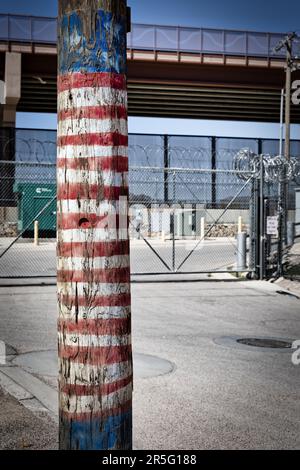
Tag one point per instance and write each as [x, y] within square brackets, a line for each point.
[281, 283]
[31, 392]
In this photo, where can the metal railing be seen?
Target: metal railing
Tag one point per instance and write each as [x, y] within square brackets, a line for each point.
[32, 29]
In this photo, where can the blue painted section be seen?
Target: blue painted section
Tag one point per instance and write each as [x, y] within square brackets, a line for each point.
[103, 51]
[114, 432]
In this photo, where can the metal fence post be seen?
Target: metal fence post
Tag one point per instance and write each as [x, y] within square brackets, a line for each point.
[214, 175]
[95, 376]
[166, 166]
[281, 207]
[254, 228]
[262, 222]
[173, 225]
[241, 251]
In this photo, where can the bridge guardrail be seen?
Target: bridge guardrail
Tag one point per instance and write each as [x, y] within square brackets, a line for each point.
[153, 37]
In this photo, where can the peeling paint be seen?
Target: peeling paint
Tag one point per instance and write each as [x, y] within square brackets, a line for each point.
[94, 340]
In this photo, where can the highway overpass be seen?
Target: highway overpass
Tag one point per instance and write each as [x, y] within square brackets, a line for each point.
[172, 71]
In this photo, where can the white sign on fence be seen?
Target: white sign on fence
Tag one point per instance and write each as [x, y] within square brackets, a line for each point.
[272, 225]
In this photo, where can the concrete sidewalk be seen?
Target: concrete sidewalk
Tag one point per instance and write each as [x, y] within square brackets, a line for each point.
[218, 394]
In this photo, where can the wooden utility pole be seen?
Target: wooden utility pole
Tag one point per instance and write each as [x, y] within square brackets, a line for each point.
[94, 326]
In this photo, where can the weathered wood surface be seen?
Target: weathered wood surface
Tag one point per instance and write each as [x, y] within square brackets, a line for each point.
[94, 326]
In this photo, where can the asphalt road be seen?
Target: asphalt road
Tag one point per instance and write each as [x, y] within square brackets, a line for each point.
[219, 395]
[23, 430]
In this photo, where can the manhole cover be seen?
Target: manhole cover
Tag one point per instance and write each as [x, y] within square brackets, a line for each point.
[260, 344]
[45, 363]
[265, 343]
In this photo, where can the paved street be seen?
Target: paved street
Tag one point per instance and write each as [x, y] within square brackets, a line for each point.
[21, 429]
[218, 394]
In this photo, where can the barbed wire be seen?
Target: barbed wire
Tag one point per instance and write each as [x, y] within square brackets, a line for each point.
[276, 168]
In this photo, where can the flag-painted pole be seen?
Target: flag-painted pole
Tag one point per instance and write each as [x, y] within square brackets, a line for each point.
[94, 326]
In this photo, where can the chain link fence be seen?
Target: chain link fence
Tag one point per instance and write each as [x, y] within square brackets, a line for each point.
[187, 205]
[189, 217]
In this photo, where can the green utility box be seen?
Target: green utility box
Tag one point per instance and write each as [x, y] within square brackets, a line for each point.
[32, 198]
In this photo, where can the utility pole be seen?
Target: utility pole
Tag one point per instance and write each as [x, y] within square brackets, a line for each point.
[283, 200]
[288, 84]
[281, 123]
[93, 278]
[287, 44]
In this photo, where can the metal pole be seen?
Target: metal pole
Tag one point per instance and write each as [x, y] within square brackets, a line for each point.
[173, 241]
[268, 239]
[166, 166]
[287, 131]
[252, 228]
[281, 123]
[262, 221]
[288, 100]
[240, 224]
[281, 218]
[213, 174]
[173, 225]
[241, 251]
[286, 43]
[94, 326]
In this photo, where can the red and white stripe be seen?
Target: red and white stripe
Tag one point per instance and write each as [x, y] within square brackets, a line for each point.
[98, 263]
[74, 126]
[86, 97]
[92, 249]
[93, 257]
[97, 341]
[83, 374]
[76, 313]
[100, 152]
[93, 289]
[89, 206]
[92, 234]
[106, 178]
[81, 404]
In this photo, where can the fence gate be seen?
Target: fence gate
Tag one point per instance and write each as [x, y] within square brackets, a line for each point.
[187, 220]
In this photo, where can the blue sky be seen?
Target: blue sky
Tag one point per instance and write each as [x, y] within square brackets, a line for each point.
[268, 15]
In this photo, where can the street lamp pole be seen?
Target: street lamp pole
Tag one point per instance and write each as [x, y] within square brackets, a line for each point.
[94, 325]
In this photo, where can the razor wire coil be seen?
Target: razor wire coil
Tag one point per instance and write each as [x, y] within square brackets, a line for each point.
[276, 168]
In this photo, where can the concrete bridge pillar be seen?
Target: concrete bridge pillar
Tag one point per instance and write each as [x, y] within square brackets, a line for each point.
[10, 94]
[10, 90]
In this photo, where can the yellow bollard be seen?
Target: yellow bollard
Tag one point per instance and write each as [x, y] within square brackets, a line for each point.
[36, 233]
[240, 225]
